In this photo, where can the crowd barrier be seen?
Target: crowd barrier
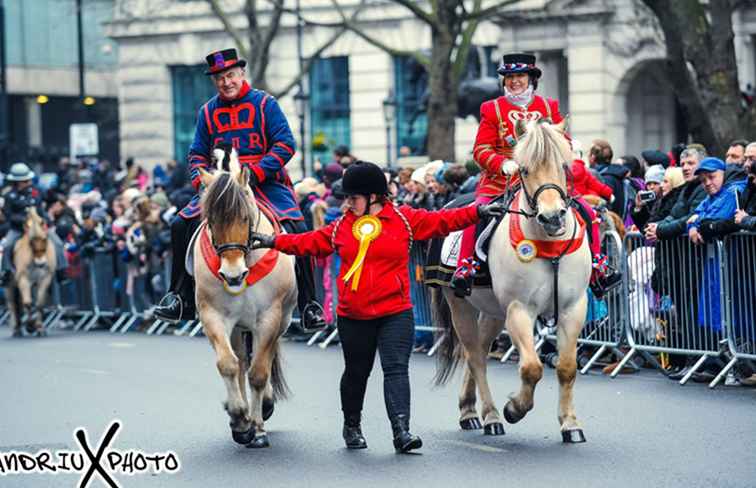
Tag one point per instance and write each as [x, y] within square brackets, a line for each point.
[676, 298]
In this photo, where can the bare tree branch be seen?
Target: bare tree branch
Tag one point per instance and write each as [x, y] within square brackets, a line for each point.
[463, 49]
[229, 28]
[313, 23]
[349, 24]
[475, 15]
[417, 11]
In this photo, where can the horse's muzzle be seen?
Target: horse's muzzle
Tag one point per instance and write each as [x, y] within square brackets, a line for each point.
[234, 280]
[552, 222]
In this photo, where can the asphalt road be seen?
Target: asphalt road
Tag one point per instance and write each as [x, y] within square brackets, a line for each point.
[642, 430]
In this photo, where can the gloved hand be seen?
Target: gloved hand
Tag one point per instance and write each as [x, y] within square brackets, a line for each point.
[491, 210]
[509, 167]
[261, 241]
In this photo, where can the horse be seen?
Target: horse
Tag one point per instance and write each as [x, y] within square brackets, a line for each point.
[242, 321]
[523, 289]
[34, 263]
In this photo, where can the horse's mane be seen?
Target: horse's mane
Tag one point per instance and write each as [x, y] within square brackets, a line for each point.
[225, 202]
[36, 227]
[542, 147]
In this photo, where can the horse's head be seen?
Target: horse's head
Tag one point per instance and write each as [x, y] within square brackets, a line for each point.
[229, 209]
[35, 229]
[543, 154]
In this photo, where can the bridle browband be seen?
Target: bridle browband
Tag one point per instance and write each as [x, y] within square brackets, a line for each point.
[533, 200]
[231, 246]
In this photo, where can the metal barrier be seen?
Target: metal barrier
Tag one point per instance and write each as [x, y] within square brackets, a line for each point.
[673, 291]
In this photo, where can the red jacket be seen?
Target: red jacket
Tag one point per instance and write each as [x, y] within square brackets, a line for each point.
[384, 284]
[496, 135]
[587, 184]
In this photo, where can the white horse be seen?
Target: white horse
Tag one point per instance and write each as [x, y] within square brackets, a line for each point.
[243, 321]
[523, 290]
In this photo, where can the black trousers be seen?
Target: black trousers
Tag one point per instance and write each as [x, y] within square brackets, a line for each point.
[392, 336]
[181, 232]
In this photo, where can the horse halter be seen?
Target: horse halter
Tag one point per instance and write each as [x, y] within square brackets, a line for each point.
[229, 246]
[533, 200]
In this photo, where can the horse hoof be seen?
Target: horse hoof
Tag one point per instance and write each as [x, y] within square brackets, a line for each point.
[573, 436]
[259, 442]
[511, 415]
[496, 428]
[472, 423]
[245, 437]
[268, 407]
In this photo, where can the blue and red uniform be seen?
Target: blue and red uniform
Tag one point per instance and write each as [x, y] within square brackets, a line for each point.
[254, 124]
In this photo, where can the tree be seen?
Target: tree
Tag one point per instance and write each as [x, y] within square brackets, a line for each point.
[452, 24]
[702, 67]
[255, 48]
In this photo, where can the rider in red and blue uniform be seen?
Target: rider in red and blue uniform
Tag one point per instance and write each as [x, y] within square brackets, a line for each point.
[252, 122]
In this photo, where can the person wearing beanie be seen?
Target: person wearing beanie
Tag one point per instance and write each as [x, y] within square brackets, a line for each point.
[665, 192]
[373, 239]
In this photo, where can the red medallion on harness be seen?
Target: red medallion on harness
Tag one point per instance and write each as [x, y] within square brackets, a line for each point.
[533, 248]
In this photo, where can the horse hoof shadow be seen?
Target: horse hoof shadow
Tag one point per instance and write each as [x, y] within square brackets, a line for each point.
[258, 442]
[511, 414]
[573, 436]
[268, 407]
[244, 437]
[472, 423]
[497, 428]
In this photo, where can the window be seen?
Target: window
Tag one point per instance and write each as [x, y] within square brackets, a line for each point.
[411, 82]
[191, 89]
[329, 106]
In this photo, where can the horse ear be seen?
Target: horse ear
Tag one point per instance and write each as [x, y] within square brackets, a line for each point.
[205, 177]
[562, 126]
[233, 163]
[520, 128]
[243, 177]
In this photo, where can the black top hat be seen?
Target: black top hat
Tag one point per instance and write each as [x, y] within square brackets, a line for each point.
[222, 60]
[518, 63]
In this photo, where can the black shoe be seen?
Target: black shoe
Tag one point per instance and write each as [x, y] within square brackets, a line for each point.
[312, 318]
[5, 277]
[679, 374]
[461, 282]
[175, 308]
[603, 285]
[352, 432]
[404, 441]
[61, 276]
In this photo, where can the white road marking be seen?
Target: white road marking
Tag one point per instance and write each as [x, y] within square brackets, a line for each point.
[472, 445]
[121, 344]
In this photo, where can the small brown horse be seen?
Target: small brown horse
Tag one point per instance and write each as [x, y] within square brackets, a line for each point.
[243, 321]
[34, 263]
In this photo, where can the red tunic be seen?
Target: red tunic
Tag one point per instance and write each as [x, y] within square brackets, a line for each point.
[494, 142]
[384, 284]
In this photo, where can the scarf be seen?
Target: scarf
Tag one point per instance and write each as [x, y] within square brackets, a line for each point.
[523, 99]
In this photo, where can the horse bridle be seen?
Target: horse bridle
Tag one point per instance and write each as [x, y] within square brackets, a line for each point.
[533, 200]
[229, 246]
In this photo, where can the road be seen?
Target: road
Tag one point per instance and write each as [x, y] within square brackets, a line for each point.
[642, 429]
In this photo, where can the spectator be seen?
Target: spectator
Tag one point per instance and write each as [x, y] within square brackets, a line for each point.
[745, 216]
[691, 195]
[655, 157]
[342, 156]
[715, 215]
[332, 172]
[632, 184]
[600, 157]
[454, 176]
[736, 152]
[647, 202]
[310, 197]
[586, 184]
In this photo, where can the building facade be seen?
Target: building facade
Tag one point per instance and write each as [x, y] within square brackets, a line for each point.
[603, 60]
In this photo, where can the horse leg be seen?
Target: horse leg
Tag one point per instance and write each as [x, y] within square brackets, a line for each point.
[567, 334]
[520, 327]
[42, 288]
[489, 327]
[228, 365]
[465, 325]
[468, 415]
[24, 290]
[266, 342]
[240, 349]
[13, 311]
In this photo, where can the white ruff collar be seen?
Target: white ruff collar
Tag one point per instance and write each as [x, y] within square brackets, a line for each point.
[521, 100]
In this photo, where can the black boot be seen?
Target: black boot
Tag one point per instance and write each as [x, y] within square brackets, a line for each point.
[462, 279]
[404, 441]
[173, 307]
[5, 277]
[61, 276]
[352, 432]
[312, 317]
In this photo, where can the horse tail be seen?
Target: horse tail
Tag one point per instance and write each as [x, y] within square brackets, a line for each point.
[278, 382]
[448, 354]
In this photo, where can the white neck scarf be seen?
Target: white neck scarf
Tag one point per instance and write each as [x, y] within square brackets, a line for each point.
[521, 100]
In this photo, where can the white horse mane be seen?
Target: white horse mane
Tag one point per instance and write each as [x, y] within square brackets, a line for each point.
[543, 146]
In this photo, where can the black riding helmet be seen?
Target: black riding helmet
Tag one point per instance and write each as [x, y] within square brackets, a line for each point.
[364, 178]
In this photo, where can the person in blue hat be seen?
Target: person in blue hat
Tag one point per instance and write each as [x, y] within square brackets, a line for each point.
[22, 196]
[721, 201]
[251, 122]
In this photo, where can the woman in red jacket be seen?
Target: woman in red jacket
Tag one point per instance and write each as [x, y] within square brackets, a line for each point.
[373, 239]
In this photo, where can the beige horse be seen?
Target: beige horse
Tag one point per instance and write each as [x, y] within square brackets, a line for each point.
[523, 291]
[34, 263]
[243, 323]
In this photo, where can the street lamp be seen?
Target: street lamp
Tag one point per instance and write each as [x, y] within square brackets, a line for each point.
[389, 115]
[300, 105]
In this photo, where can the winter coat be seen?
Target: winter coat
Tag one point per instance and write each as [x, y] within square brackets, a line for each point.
[584, 183]
[384, 283]
[659, 210]
[613, 175]
[16, 203]
[675, 224]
